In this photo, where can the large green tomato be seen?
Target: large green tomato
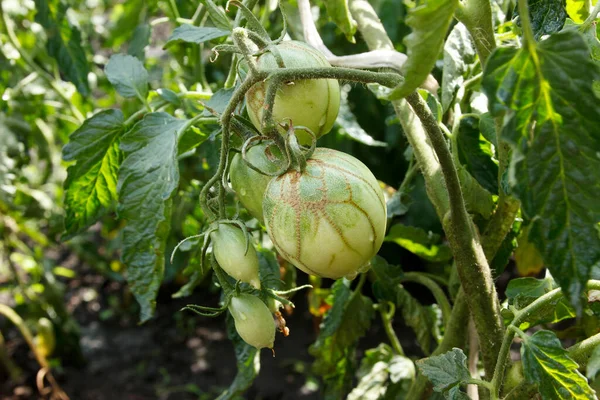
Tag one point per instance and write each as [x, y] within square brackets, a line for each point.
[248, 184]
[312, 103]
[253, 320]
[328, 220]
[229, 248]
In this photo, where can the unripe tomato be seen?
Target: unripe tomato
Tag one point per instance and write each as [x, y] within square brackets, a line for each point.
[312, 103]
[229, 248]
[253, 320]
[248, 184]
[328, 220]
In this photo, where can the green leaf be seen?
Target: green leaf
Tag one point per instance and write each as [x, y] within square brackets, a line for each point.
[148, 178]
[429, 20]
[477, 199]
[593, 365]
[91, 184]
[383, 374]
[349, 125]
[578, 10]
[64, 43]
[128, 76]
[419, 242]
[548, 365]
[388, 278]
[476, 154]
[139, 41]
[248, 363]
[334, 350]
[191, 139]
[487, 128]
[547, 16]
[446, 370]
[195, 34]
[340, 14]
[169, 95]
[425, 321]
[217, 15]
[459, 53]
[398, 204]
[555, 170]
[219, 100]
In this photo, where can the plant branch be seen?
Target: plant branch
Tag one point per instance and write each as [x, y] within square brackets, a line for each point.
[524, 315]
[472, 265]
[580, 352]
[476, 15]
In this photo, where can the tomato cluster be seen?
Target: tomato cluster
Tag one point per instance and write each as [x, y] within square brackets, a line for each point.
[327, 218]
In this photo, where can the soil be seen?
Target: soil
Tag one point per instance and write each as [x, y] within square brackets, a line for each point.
[175, 356]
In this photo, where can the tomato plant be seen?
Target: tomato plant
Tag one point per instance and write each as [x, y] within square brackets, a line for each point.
[425, 175]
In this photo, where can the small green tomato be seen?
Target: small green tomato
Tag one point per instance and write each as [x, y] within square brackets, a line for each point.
[328, 220]
[248, 184]
[229, 248]
[311, 103]
[253, 320]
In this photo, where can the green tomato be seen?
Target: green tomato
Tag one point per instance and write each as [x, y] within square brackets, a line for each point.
[250, 185]
[312, 103]
[253, 320]
[328, 220]
[229, 248]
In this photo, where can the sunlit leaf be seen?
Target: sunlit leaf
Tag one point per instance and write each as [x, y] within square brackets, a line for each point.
[547, 364]
[459, 52]
[195, 34]
[593, 365]
[578, 10]
[416, 240]
[91, 184]
[429, 20]
[148, 178]
[446, 370]
[340, 14]
[555, 169]
[383, 374]
[64, 42]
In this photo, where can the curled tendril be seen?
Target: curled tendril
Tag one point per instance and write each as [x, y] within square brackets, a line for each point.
[245, 148]
[185, 240]
[206, 311]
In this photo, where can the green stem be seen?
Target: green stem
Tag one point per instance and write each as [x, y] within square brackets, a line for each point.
[528, 38]
[591, 18]
[232, 75]
[46, 76]
[173, 8]
[580, 352]
[523, 316]
[236, 99]
[435, 289]
[472, 265]
[386, 318]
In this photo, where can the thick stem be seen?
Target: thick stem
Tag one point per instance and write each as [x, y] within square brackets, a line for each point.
[236, 99]
[580, 352]
[472, 265]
